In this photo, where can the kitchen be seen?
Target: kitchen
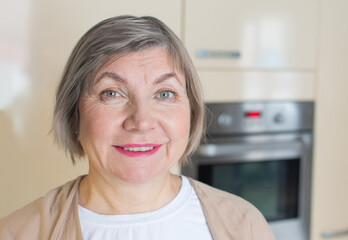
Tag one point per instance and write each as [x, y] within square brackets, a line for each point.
[260, 51]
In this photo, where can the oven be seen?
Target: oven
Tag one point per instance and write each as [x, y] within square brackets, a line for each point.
[262, 152]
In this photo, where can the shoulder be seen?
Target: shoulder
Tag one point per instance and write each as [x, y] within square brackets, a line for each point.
[229, 216]
[38, 214]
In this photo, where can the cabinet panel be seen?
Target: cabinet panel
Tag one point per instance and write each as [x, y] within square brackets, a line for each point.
[252, 34]
[226, 86]
[330, 191]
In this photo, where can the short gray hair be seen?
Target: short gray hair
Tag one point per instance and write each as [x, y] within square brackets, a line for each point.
[112, 37]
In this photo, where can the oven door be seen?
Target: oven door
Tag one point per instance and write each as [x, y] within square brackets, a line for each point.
[270, 175]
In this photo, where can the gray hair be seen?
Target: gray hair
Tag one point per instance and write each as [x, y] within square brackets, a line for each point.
[112, 37]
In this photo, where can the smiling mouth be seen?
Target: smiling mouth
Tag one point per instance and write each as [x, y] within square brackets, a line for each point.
[138, 150]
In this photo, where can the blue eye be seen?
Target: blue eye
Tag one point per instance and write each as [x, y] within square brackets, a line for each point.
[110, 94]
[165, 94]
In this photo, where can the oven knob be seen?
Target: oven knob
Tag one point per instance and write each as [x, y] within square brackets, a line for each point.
[279, 118]
[225, 120]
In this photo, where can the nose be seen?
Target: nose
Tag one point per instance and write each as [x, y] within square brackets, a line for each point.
[140, 118]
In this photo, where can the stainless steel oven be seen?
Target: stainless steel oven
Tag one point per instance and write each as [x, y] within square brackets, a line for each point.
[261, 151]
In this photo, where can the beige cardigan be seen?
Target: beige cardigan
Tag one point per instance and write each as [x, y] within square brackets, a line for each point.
[55, 216]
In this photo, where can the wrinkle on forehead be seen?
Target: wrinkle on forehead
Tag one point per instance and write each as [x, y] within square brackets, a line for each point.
[143, 59]
[176, 66]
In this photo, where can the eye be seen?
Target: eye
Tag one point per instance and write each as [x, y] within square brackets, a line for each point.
[166, 94]
[107, 94]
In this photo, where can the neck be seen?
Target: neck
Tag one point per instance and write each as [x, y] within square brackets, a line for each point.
[109, 195]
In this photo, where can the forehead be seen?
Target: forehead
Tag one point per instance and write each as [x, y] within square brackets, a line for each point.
[141, 59]
[150, 63]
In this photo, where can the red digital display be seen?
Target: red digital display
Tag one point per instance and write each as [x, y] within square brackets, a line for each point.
[253, 114]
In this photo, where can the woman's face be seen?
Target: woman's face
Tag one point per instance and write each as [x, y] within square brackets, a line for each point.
[135, 120]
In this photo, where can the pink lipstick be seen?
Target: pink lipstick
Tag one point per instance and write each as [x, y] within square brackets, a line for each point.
[138, 150]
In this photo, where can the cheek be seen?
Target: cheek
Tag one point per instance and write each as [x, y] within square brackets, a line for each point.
[184, 125]
[95, 126]
[178, 134]
[178, 125]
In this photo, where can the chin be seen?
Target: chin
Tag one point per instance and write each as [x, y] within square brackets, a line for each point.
[140, 175]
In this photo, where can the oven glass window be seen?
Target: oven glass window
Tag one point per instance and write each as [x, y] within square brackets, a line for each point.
[271, 186]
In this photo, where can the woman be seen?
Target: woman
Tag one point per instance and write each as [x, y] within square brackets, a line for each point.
[130, 100]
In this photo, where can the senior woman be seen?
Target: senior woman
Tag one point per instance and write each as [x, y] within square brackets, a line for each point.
[130, 101]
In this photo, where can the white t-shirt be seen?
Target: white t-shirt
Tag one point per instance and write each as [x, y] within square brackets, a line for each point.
[182, 219]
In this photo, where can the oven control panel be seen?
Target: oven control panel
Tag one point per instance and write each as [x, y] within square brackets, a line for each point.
[258, 117]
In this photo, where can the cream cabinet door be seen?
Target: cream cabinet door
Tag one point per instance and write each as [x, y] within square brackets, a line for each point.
[330, 192]
[268, 34]
[37, 37]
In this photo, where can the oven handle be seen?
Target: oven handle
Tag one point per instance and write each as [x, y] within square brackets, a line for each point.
[251, 151]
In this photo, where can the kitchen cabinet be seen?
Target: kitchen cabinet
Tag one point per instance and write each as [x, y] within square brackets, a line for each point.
[330, 181]
[268, 34]
[36, 40]
[253, 50]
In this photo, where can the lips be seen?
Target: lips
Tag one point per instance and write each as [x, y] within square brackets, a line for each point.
[138, 150]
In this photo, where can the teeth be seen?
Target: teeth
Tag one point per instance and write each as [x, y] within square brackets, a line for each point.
[138, 149]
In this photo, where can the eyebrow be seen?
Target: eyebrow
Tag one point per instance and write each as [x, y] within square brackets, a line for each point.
[165, 77]
[120, 79]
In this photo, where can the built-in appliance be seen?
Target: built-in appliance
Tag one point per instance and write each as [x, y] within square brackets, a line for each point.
[261, 151]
